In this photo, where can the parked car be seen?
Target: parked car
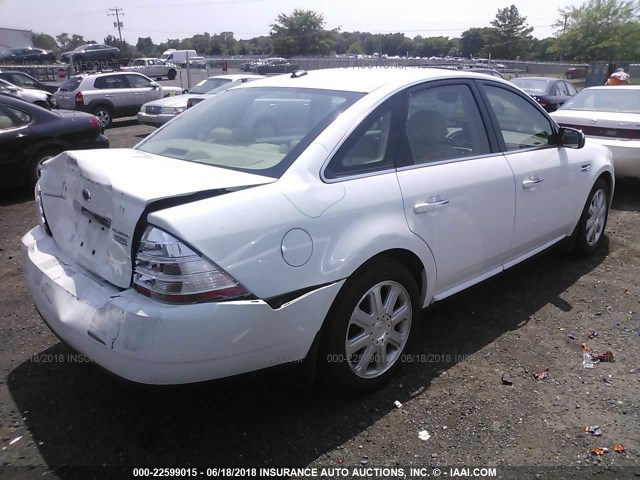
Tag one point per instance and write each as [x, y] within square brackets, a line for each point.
[488, 63]
[551, 93]
[276, 65]
[158, 112]
[38, 97]
[26, 55]
[153, 68]
[609, 116]
[110, 95]
[24, 80]
[89, 56]
[29, 135]
[213, 248]
[576, 72]
[250, 66]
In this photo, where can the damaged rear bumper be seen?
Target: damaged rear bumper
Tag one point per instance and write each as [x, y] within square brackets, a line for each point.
[145, 341]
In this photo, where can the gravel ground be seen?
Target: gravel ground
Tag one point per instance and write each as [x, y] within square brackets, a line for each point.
[58, 410]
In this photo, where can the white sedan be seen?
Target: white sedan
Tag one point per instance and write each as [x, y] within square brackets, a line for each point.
[611, 117]
[306, 216]
[158, 112]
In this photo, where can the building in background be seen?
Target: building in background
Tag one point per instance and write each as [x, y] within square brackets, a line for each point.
[13, 38]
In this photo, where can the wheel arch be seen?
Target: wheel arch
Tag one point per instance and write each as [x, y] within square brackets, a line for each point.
[98, 102]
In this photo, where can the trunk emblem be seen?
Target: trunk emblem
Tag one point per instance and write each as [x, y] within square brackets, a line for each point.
[86, 194]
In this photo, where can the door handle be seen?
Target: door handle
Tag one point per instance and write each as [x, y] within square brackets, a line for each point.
[427, 206]
[108, 95]
[532, 182]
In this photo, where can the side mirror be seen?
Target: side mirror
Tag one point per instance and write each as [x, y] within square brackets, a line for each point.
[569, 138]
[155, 85]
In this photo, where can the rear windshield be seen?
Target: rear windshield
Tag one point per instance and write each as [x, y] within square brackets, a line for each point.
[531, 86]
[70, 84]
[209, 84]
[255, 130]
[623, 100]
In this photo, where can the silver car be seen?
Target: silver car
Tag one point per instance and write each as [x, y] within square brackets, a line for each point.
[110, 95]
[37, 97]
[159, 112]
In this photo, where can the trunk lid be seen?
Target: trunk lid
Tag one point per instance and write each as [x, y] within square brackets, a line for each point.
[93, 200]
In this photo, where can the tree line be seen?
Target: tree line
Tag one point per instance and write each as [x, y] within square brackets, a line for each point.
[596, 30]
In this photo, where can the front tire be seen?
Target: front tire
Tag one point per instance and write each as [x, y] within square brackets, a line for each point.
[589, 232]
[172, 74]
[371, 325]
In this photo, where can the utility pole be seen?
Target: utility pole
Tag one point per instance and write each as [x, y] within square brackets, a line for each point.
[117, 12]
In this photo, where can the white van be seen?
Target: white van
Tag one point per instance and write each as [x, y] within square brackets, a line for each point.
[179, 56]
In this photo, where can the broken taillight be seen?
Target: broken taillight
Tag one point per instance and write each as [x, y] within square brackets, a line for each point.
[167, 270]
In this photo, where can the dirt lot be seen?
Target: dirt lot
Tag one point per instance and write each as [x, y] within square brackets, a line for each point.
[56, 409]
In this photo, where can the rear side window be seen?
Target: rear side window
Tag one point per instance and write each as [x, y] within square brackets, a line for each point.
[443, 123]
[70, 84]
[23, 117]
[111, 81]
[6, 121]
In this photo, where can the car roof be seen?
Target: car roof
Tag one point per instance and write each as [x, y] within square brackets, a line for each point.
[364, 80]
[612, 87]
[235, 76]
[548, 79]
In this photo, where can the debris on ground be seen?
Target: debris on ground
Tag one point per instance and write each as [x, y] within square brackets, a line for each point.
[507, 379]
[619, 448]
[397, 404]
[15, 440]
[424, 435]
[593, 334]
[594, 430]
[417, 392]
[540, 375]
[587, 358]
[604, 357]
[599, 451]
[572, 336]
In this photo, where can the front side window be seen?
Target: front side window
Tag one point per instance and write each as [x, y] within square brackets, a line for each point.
[521, 124]
[257, 130]
[444, 123]
[137, 81]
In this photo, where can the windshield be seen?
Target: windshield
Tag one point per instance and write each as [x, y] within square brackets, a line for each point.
[531, 86]
[623, 100]
[255, 130]
[209, 84]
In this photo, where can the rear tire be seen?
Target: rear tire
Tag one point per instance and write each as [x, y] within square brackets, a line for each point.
[35, 165]
[104, 114]
[172, 74]
[370, 328]
[589, 232]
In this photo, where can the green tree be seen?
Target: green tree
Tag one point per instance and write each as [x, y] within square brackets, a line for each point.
[301, 33]
[67, 42]
[599, 30]
[146, 47]
[510, 37]
[42, 40]
[473, 40]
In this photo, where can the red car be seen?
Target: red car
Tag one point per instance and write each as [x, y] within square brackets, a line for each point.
[576, 72]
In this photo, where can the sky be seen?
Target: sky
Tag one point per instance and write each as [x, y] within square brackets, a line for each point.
[163, 19]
